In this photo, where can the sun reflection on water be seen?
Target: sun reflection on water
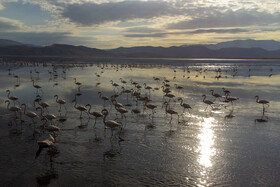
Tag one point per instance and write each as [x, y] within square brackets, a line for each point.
[206, 137]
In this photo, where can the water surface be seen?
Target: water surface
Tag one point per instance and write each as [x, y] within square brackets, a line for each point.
[230, 145]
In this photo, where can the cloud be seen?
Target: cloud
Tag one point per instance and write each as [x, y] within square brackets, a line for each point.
[142, 30]
[198, 31]
[46, 38]
[155, 35]
[9, 24]
[201, 31]
[5, 1]
[239, 18]
[88, 14]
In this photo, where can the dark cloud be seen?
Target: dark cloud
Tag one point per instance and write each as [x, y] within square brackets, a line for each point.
[6, 25]
[142, 30]
[45, 38]
[239, 18]
[155, 35]
[92, 14]
[201, 31]
[198, 31]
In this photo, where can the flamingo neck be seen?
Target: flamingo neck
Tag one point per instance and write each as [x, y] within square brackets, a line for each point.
[8, 105]
[24, 109]
[9, 94]
[89, 108]
[204, 97]
[75, 103]
[104, 118]
[181, 102]
[41, 112]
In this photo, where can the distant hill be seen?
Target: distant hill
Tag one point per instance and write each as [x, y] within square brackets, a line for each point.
[197, 51]
[53, 50]
[221, 50]
[4, 42]
[269, 45]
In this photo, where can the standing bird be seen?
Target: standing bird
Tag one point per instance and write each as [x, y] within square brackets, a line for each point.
[184, 105]
[78, 84]
[104, 98]
[263, 102]
[216, 95]
[170, 111]
[13, 98]
[111, 124]
[60, 102]
[31, 115]
[150, 106]
[95, 114]
[49, 117]
[231, 99]
[44, 105]
[80, 108]
[36, 86]
[14, 109]
[148, 88]
[209, 103]
[47, 143]
[121, 110]
[226, 92]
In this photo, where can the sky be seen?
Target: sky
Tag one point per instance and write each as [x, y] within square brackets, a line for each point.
[109, 24]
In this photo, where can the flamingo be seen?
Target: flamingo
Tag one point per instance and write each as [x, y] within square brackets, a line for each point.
[121, 110]
[184, 105]
[104, 98]
[80, 108]
[95, 114]
[12, 108]
[170, 111]
[263, 102]
[148, 88]
[127, 92]
[31, 115]
[114, 84]
[13, 98]
[36, 86]
[60, 102]
[111, 124]
[49, 117]
[216, 95]
[50, 128]
[231, 99]
[47, 143]
[226, 92]
[115, 103]
[150, 106]
[209, 103]
[179, 87]
[78, 84]
[44, 105]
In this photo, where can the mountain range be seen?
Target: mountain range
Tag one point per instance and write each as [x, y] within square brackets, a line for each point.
[231, 49]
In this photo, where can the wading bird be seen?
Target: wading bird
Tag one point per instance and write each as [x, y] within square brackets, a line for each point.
[95, 114]
[209, 103]
[60, 102]
[111, 124]
[13, 98]
[14, 109]
[184, 105]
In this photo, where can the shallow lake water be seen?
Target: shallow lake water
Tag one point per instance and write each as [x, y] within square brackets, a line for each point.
[225, 144]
